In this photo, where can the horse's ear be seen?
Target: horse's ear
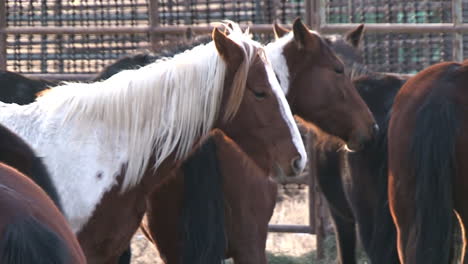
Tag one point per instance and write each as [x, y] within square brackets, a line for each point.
[354, 36]
[279, 30]
[230, 51]
[303, 37]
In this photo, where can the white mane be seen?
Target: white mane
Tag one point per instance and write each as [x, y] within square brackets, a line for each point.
[157, 109]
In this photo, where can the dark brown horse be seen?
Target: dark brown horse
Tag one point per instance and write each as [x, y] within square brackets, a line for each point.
[427, 141]
[19, 89]
[32, 228]
[355, 184]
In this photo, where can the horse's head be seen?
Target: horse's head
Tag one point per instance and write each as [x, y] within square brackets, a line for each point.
[318, 89]
[346, 46]
[255, 113]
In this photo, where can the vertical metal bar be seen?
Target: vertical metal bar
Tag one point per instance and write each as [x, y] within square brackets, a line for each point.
[3, 35]
[322, 14]
[316, 14]
[308, 11]
[457, 18]
[154, 23]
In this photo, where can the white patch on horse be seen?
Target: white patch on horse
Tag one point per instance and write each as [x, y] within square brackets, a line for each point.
[84, 130]
[287, 115]
[274, 52]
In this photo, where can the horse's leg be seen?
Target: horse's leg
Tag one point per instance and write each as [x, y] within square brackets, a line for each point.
[330, 182]
[403, 215]
[460, 190]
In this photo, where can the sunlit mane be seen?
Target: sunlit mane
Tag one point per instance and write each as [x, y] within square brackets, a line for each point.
[157, 109]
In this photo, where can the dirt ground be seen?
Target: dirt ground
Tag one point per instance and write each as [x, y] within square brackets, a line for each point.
[291, 208]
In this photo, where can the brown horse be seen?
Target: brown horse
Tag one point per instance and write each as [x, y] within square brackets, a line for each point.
[427, 141]
[32, 228]
[246, 232]
[317, 88]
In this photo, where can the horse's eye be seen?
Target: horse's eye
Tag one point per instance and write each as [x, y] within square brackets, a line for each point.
[260, 95]
[339, 70]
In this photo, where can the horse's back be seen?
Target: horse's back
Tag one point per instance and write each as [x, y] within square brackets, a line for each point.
[32, 228]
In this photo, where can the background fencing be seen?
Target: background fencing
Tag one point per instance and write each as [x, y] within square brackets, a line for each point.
[96, 32]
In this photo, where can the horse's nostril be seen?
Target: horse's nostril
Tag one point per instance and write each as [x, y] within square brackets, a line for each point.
[297, 165]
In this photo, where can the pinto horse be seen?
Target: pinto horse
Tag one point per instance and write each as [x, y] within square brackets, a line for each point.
[247, 242]
[427, 146]
[118, 132]
[32, 228]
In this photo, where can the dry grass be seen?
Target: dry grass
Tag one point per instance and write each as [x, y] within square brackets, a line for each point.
[292, 208]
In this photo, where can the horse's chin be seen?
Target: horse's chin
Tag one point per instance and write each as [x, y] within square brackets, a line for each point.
[282, 178]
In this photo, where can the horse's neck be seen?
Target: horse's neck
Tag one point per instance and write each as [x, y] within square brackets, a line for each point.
[229, 152]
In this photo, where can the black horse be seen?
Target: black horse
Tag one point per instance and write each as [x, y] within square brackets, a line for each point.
[355, 184]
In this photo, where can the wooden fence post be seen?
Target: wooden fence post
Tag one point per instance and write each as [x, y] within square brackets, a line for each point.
[457, 18]
[3, 35]
[154, 23]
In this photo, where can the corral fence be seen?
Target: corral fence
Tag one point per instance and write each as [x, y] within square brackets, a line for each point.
[75, 39]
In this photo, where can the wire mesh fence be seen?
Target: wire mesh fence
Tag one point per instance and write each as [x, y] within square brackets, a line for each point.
[88, 53]
[394, 52]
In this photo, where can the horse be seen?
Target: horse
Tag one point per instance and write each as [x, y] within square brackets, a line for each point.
[246, 245]
[426, 158]
[32, 228]
[332, 103]
[121, 130]
[246, 232]
[19, 89]
[346, 47]
[355, 184]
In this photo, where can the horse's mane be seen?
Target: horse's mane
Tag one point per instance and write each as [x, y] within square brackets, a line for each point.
[158, 109]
